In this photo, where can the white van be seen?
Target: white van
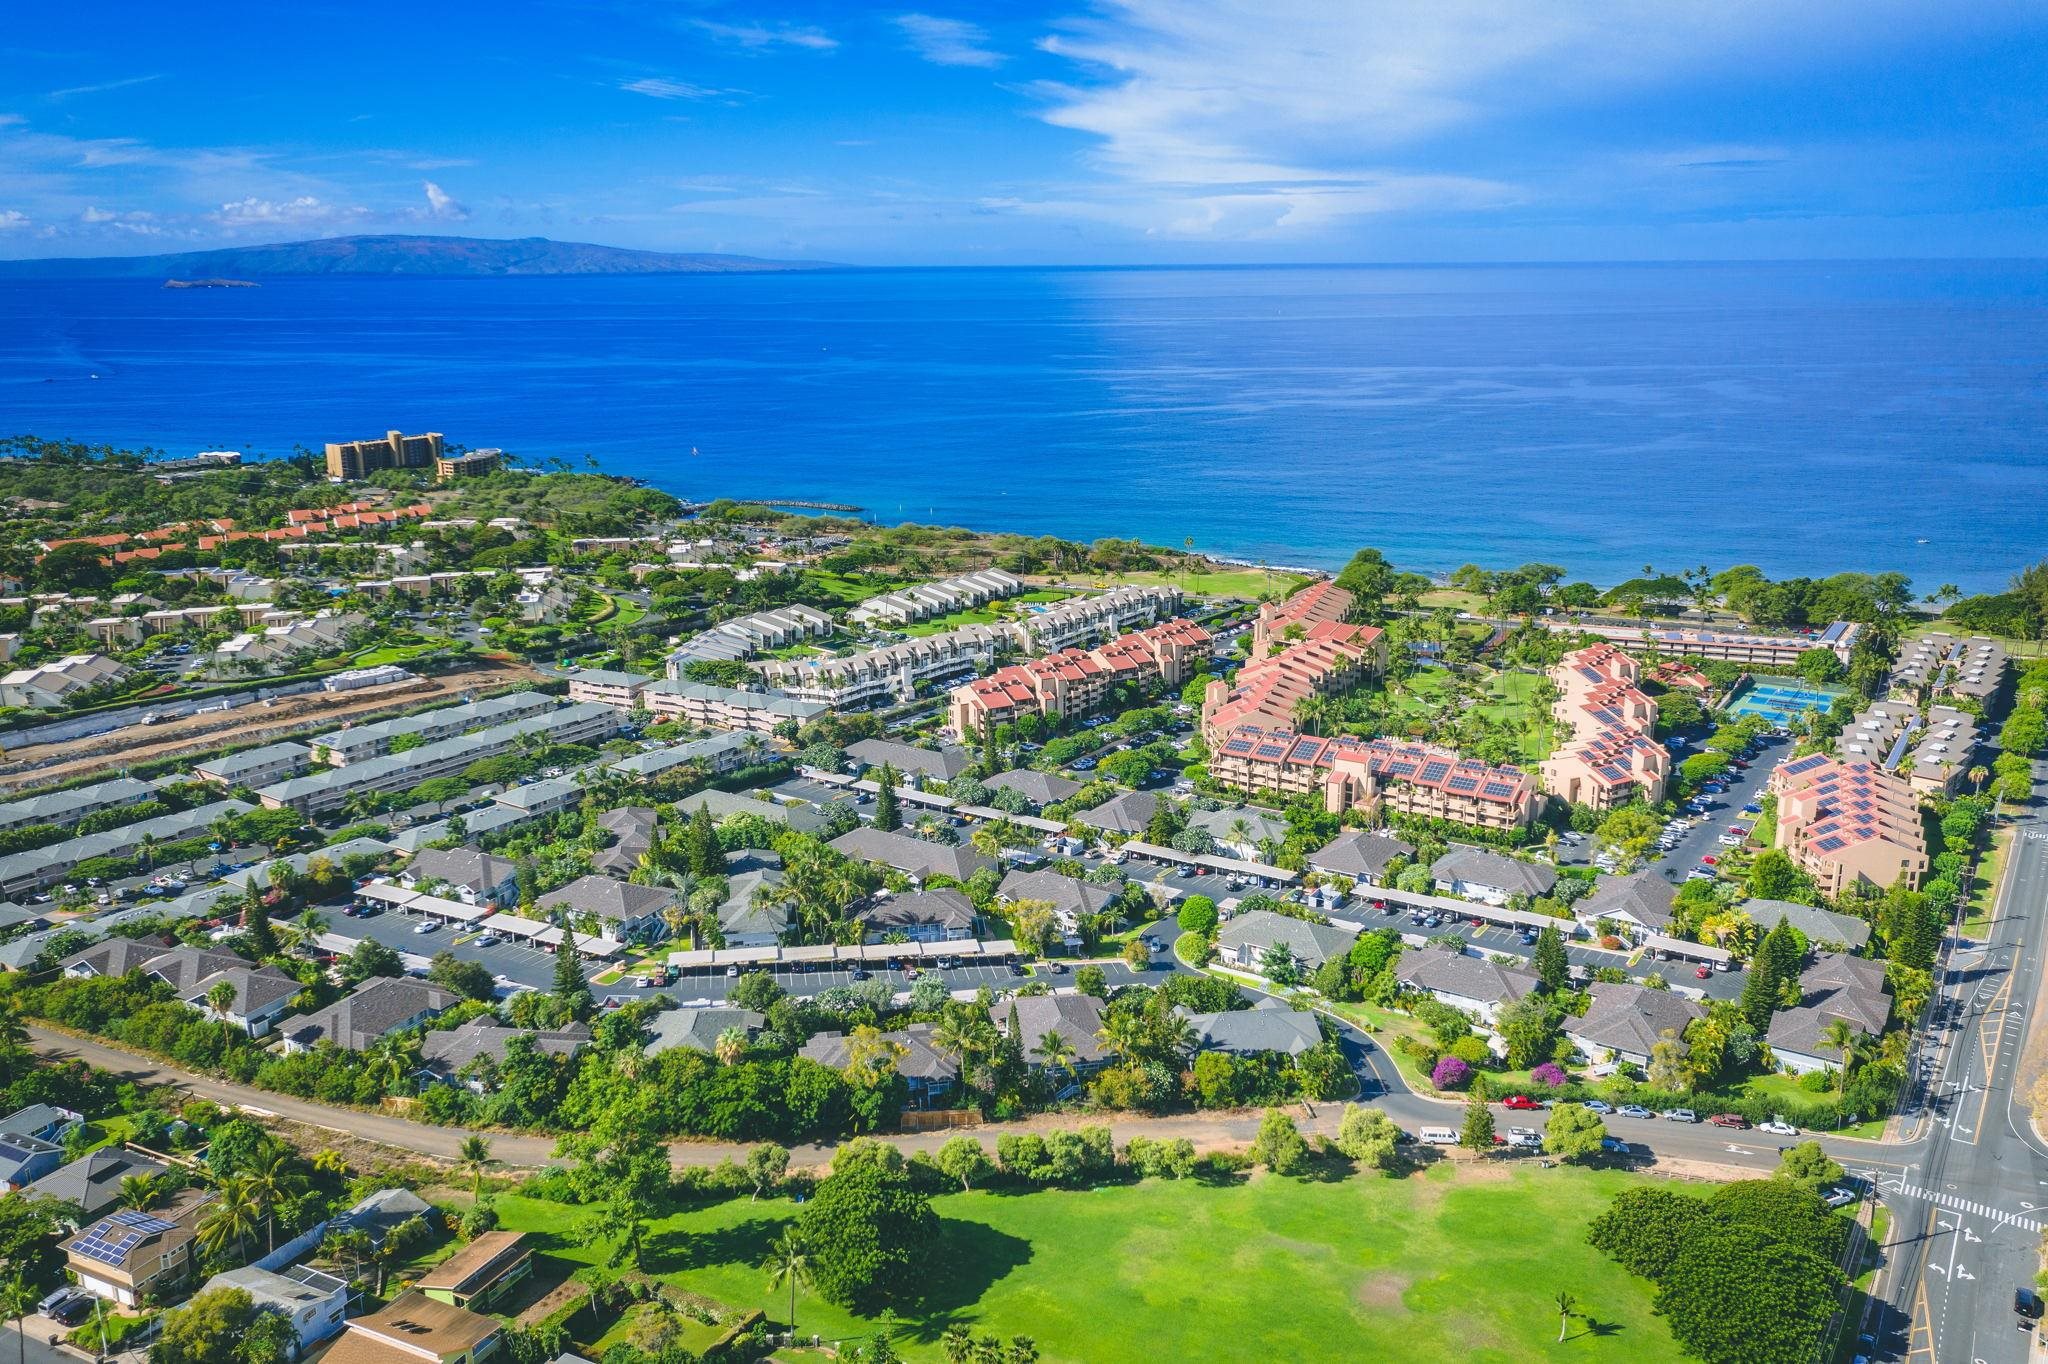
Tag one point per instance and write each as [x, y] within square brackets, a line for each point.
[1437, 1136]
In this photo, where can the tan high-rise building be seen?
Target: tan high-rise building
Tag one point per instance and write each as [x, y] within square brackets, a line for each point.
[355, 458]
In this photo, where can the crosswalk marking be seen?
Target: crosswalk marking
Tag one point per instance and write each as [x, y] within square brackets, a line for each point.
[1970, 1206]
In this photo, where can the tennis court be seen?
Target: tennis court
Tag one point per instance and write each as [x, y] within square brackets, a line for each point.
[1782, 700]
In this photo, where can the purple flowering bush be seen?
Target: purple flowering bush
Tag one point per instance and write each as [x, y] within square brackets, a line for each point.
[1451, 1073]
[1549, 1073]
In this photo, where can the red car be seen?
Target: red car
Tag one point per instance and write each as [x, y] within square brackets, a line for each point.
[1703, 972]
[1520, 1101]
[1478, 923]
[1710, 861]
[1734, 1120]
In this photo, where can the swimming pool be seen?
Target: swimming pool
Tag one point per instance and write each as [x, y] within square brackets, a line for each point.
[1782, 700]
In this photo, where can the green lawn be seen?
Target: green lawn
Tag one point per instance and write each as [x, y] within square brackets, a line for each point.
[1456, 1263]
[1984, 893]
[395, 653]
[1514, 702]
[1246, 583]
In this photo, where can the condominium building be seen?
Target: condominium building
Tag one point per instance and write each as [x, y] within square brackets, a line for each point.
[570, 724]
[448, 468]
[254, 766]
[891, 673]
[1378, 776]
[1322, 603]
[352, 744]
[608, 687]
[65, 808]
[1846, 823]
[1933, 753]
[36, 868]
[1610, 754]
[1938, 666]
[324, 633]
[53, 684]
[1327, 659]
[356, 458]
[699, 703]
[732, 640]
[1076, 682]
[1752, 649]
[936, 599]
[1081, 619]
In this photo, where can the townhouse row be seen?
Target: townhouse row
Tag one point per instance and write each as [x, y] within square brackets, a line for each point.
[1609, 754]
[1076, 682]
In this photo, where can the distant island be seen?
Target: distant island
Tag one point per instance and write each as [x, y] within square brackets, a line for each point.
[463, 257]
[211, 284]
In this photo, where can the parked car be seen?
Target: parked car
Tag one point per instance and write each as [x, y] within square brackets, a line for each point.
[426, 926]
[1734, 1121]
[72, 1310]
[1778, 1128]
[1614, 1146]
[1679, 1115]
[1600, 1106]
[1703, 972]
[1521, 1102]
[1839, 1197]
[1523, 1136]
[1633, 1111]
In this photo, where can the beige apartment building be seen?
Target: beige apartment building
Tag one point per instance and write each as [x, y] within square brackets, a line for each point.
[1329, 659]
[355, 458]
[1322, 603]
[1846, 823]
[1077, 681]
[1378, 776]
[1610, 754]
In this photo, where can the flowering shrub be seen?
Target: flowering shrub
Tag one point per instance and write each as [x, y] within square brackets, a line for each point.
[1451, 1073]
[1549, 1073]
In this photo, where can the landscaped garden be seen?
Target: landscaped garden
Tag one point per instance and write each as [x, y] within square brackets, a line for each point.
[1458, 1262]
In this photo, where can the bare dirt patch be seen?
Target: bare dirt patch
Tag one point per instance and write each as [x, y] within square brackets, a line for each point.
[1382, 1292]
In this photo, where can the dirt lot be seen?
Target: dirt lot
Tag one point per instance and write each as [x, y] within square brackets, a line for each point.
[200, 733]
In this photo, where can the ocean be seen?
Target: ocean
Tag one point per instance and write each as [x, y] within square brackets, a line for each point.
[1806, 418]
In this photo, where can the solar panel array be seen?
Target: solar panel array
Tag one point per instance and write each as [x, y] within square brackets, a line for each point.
[110, 1239]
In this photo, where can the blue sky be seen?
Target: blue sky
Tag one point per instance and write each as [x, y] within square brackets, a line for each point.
[1147, 131]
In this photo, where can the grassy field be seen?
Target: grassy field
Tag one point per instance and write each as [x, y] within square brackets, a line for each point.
[1455, 1263]
[1984, 893]
[1514, 702]
[1248, 583]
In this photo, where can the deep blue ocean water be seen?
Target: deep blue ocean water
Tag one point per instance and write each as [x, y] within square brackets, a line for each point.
[1803, 417]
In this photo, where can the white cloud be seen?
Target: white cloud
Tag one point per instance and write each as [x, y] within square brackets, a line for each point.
[102, 87]
[1293, 114]
[97, 215]
[254, 212]
[757, 35]
[12, 218]
[660, 87]
[441, 205]
[948, 42]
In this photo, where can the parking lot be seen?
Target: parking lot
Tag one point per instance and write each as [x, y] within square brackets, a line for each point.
[1723, 810]
[513, 962]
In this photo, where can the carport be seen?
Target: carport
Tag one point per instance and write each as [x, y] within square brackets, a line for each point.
[448, 911]
[1688, 951]
[1469, 909]
[1032, 822]
[822, 952]
[693, 959]
[1229, 866]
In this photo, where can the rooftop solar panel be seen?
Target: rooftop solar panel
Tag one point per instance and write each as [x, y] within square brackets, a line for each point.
[1435, 770]
[1499, 788]
[1463, 784]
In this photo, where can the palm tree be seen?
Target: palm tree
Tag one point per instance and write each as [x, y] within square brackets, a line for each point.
[1122, 1034]
[1565, 1303]
[1844, 1041]
[17, 1300]
[234, 1216]
[1978, 776]
[145, 848]
[730, 1046]
[395, 1058]
[271, 1181]
[958, 1343]
[221, 998]
[143, 1192]
[311, 928]
[1056, 1053]
[788, 1263]
[475, 1154]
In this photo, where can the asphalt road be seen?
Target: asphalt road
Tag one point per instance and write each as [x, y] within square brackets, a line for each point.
[1970, 1196]
[1722, 811]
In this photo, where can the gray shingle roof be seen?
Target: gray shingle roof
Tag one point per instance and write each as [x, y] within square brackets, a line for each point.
[1644, 896]
[1361, 854]
[1819, 925]
[1633, 1018]
[470, 868]
[1077, 1018]
[947, 909]
[616, 901]
[1311, 944]
[378, 1006]
[1040, 788]
[920, 1061]
[446, 1051]
[1128, 813]
[741, 914]
[914, 856]
[698, 1029]
[945, 764]
[1442, 970]
[1478, 867]
[1270, 1026]
[93, 1181]
[1071, 898]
